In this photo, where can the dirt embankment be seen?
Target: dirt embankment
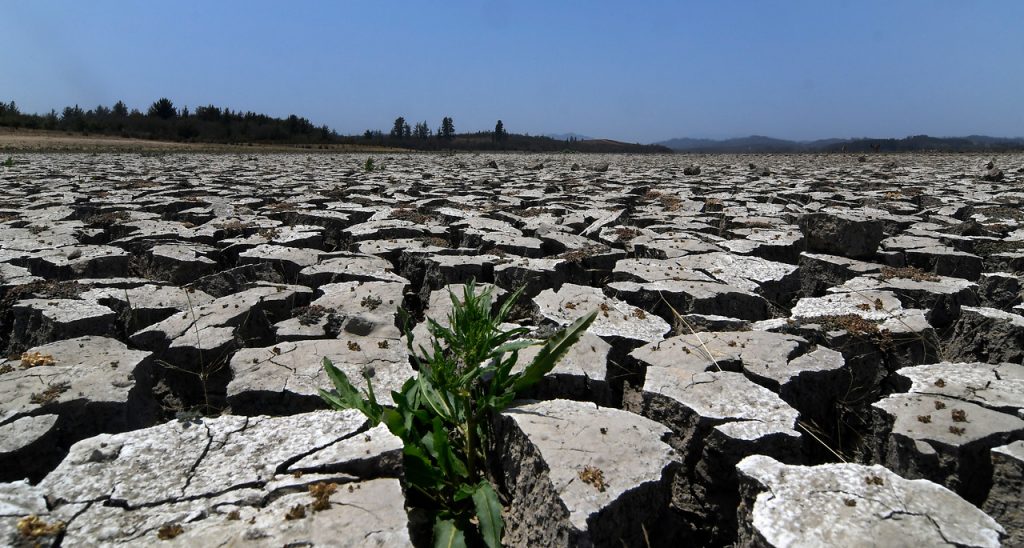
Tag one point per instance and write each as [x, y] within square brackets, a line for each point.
[34, 140]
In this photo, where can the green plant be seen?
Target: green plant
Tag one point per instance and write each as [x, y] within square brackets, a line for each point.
[9, 162]
[444, 414]
[368, 165]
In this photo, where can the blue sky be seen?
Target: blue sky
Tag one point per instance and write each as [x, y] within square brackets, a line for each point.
[636, 71]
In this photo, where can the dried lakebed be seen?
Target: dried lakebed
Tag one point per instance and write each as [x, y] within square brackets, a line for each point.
[790, 350]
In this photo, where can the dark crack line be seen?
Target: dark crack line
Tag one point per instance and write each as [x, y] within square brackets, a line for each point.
[192, 470]
[122, 504]
[283, 467]
[938, 529]
[227, 437]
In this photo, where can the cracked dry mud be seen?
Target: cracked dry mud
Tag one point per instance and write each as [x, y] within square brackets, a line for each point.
[818, 351]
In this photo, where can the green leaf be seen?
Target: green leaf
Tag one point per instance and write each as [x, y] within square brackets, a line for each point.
[346, 396]
[509, 303]
[420, 471]
[516, 345]
[488, 511]
[553, 350]
[436, 399]
[448, 535]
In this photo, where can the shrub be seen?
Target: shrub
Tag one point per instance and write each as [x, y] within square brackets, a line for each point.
[444, 414]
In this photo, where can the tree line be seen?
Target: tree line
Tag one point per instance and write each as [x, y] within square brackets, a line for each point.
[163, 120]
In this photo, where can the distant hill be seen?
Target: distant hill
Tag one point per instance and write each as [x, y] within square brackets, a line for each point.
[567, 136]
[760, 143]
[531, 143]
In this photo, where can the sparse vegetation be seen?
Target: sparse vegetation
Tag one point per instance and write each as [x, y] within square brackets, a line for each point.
[444, 414]
[50, 395]
[35, 359]
[908, 272]
[34, 527]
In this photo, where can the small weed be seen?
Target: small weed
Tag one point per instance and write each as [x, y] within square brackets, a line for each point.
[956, 430]
[354, 346]
[411, 215]
[626, 233]
[370, 302]
[382, 344]
[444, 414]
[6, 368]
[34, 526]
[234, 227]
[959, 415]
[234, 515]
[435, 241]
[670, 203]
[269, 233]
[321, 493]
[50, 394]
[856, 326]
[106, 220]
[167, 532]
[874, 480]
[9, 162]
[908, 272]
[940, 383]
[368, 165]
[939, 405]
[924, 418]
[850, 502]
[295, 512]
[577, 256]
[35, 359]
[593, 476]
[310, 315]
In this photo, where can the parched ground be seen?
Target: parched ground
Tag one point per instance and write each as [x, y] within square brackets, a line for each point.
[789, 350]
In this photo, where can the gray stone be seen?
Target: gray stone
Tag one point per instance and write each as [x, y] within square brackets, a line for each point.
[235, 280]
[349, 268]
[716, 419]
[942, 297]
[286, 378]
[852, 505]
[987, 335]
[841, 234]
[584, 373]
[39, 321]
[94, 385]
[615, 318]
[819, 272]
[182, 263]
[356, 308]
[289, 260]
[942, 439]
[581, 475]
[144, 305]
[999, 387]
[115, 489]
[667, 298]
[27, 447]
[1003, 502]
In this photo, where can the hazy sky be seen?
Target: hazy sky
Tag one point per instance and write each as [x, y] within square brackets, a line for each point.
[636, 71]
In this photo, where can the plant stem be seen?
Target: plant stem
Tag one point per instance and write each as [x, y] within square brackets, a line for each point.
[470, 448]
